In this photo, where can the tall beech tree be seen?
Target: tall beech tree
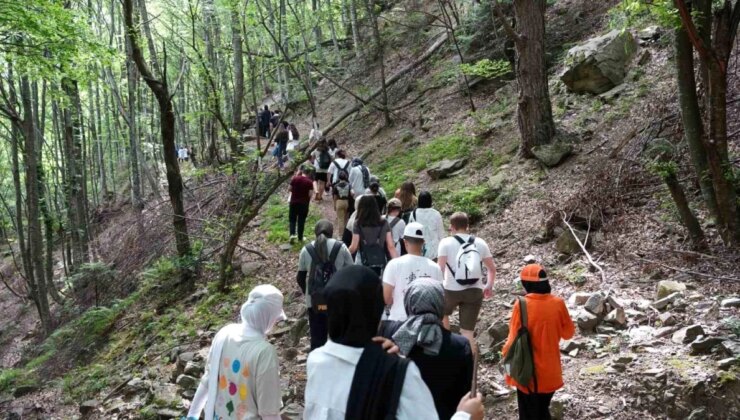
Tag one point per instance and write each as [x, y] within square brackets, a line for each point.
[160, 89]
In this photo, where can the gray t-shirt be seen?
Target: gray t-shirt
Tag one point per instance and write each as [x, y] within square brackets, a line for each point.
[344, 259]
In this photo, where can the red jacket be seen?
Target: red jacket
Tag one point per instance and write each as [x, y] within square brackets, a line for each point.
[548, 321]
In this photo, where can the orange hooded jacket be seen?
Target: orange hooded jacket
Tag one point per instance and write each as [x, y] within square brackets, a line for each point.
[548, 321]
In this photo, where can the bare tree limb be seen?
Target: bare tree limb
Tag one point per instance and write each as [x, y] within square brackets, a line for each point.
[583, 248]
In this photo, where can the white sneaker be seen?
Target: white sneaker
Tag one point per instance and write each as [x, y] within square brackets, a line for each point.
[293, 239]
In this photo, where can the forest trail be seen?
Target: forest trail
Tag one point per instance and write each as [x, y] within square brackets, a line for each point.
[424, 91]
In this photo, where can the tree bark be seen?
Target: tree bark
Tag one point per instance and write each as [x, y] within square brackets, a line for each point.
[691, 116]
[356, 35]
[238, 63]
[136, 198]
[687, 216]
[160, 90]
[534, 111]
[37, 283]
[370, 6]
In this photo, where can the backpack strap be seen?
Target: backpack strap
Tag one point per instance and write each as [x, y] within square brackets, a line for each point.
[334, 252]
[471, 240]
[314, 260]
[398, 381]
[395, 222]
[523, 320]
[414, 214]
[459, 239]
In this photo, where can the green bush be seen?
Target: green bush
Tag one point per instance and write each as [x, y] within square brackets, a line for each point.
[406, 163]
[8, 378]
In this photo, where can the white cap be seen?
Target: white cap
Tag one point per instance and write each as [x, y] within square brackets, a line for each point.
[414, 230]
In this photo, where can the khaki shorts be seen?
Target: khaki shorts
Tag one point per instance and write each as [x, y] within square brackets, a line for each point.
[469, 300]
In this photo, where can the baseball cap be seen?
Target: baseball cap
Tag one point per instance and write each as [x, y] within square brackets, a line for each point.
[533, 272]
[414, 230]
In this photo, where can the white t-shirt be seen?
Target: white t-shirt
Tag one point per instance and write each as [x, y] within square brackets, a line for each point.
[402, 271]
[434, 232]
[448, 247]
[355, 178]
[336, 166]
[182, 153]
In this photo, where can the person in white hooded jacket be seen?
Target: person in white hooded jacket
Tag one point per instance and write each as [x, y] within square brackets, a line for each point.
[242, 377]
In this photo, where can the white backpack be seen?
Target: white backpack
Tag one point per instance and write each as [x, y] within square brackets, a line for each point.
[468, 264]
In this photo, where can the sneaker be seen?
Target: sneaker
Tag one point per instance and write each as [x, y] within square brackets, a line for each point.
[292, 239]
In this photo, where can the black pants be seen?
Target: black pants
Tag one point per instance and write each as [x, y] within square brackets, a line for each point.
[534, 406]
[318, 325]
[297, 214]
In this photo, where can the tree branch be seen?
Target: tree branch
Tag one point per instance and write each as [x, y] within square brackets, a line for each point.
[705, 51]
[505, 23]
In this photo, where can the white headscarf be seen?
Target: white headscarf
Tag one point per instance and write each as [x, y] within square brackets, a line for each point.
[263, 308]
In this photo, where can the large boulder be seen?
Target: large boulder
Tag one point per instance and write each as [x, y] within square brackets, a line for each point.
[445, 168]
[552, 154]
[567, 244]
[599, 64]
[668, 287]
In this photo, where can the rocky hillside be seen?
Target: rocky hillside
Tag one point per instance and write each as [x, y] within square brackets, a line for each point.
[658, 323]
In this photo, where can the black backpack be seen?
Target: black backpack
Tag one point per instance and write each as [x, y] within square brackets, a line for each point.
[324, 160]
[365, 176]
[319, 275]
[345, 168]
[373, 254]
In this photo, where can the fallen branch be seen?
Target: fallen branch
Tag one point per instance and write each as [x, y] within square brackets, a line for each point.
[251, 251]
[393, 79]
[583, 248]
[683, 270]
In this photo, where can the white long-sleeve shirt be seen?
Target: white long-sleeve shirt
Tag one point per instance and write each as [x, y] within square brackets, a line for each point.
[434, 232]
[331, 369]
[355, 178]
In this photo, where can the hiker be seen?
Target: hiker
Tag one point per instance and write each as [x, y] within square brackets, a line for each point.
[374, 191]
[432, 220]
[401, 272]
[340, 163]
[396, 224]
[242, 378]
[359, 176]
[275, 120]
[371, 236]
[293, 138]
[322, 161]
[347, 235]
[351, 377]
[264, 122]
[315, 134]
[301, 188]
[381, 191]
[443, 358]
[547, 322]
[182, 154]
[317, 262]
[343, 195]
[281, 144]
[461, 257]
[333, 147]
[191, 153]
[407, 194]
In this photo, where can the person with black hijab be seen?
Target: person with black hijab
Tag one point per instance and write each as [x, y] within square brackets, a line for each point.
[351, 376]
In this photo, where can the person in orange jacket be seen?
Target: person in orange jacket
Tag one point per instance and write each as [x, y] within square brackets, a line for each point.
[548, 321]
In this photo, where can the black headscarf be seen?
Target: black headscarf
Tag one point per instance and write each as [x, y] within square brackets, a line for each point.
[355, 304]
[354, 297]
[541, 287]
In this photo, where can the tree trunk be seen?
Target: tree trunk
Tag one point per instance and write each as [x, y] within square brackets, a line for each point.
[356, 36]
[370, 6]
[534, 112]
[333, 31]
[37, 283]
[238, 97]
[687, 216]
[136, 198]
[691, 116]
[160, 90]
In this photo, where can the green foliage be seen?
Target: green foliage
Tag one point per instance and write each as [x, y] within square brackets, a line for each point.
[477, 201]
[8, 378]
[405, 163]
[86, 382]
[486, 68]
[640, 13]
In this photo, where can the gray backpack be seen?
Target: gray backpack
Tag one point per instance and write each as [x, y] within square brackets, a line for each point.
[519, 361]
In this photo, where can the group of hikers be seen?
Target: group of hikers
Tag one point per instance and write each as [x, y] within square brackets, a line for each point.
[287, 136]
[380, 285]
